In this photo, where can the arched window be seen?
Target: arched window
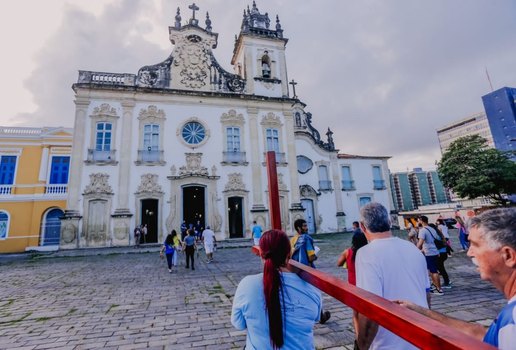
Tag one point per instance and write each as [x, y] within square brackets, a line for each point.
[52, 227]
[266, 65]
[4, 225]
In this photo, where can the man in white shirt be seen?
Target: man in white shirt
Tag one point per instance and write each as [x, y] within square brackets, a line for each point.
[391, 268]
[208, 237]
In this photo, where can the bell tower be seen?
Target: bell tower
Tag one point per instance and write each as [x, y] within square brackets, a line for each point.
[259, 55]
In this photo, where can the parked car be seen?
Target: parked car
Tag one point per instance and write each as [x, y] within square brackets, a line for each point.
[450, 222]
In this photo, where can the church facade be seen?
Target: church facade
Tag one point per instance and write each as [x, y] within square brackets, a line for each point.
[186, 140]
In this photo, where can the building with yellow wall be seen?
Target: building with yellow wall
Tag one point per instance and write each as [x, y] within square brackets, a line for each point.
[34, 171]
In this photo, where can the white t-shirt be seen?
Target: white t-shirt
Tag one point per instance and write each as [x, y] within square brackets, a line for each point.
[444, 230]
[208, 236]
[395, 270]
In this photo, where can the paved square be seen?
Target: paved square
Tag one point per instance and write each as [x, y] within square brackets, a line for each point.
[130, 300]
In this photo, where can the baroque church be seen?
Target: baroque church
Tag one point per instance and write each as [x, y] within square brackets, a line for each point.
[186, 140]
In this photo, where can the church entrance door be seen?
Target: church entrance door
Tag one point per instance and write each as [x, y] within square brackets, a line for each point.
[149, 216]
[235, 217]
[308, 204]
[194, 205]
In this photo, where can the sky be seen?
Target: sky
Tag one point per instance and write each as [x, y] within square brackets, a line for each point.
[384, 75]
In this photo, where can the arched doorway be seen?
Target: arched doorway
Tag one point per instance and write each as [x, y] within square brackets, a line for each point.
[52, 227]
[235, 217]
[308, 205]
[149, 216]
[194, 205]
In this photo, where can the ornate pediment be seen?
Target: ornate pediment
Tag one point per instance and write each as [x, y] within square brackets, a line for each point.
[152, 113]
[235, 183]
[271, 120]
[98, 184]
[281, 185]
[232, 118]
[149, 183]
[307, 191]
[193, 165]
[104, 110]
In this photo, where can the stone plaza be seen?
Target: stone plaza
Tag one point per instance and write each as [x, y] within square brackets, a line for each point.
[126, 299]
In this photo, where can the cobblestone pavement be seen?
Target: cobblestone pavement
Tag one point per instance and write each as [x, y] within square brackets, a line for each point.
[130, 301]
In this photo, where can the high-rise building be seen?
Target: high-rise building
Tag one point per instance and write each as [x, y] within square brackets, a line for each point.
[416, 188]
[501, 114]
[476, 124]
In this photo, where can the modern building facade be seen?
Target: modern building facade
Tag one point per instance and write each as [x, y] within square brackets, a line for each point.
[34, 169]
[417, 188]
[501, 114]
[476, 124]
[185, 140]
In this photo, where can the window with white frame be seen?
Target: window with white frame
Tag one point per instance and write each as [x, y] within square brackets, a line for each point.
[151, 137]
[347, 181]
[7, 171]
[324, 180]
[233, 139]
[363, 200]
[4, 225]
[272, 137]
[103, 136]
[378, 181]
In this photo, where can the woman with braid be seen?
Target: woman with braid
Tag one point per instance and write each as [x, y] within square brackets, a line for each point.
[277, 307]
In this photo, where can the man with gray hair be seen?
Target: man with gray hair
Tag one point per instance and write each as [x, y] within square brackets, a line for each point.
[492, 237]
[390, 267]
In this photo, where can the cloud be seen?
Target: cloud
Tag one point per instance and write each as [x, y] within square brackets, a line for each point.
[382, 75]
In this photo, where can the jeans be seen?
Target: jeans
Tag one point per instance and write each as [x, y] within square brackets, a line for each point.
[463, 241]
[440, 267]
[190, 250]
[169, 259]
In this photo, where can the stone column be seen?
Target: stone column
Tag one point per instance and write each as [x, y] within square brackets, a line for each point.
[43, 166]
[122, 215]
[256, 160]
[341, 217]
[70, 222]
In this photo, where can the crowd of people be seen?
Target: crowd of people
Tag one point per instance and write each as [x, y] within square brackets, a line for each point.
[279, 310]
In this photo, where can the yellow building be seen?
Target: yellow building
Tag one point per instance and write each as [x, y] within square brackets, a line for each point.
[34, 168]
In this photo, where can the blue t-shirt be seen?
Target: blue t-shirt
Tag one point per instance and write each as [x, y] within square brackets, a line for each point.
[189, 240]
[502, 333]
[302, 304]
[303, 247]
[257, 231]
[169, 248]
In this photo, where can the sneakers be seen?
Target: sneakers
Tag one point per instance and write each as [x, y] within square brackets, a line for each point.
[170, 270]
[447, 286]
[437, 292]
[325, 316]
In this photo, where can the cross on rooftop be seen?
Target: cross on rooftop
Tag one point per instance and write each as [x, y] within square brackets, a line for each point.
[194, 8]
[293, 83]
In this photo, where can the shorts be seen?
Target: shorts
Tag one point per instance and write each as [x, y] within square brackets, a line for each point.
[256, 241]
[208, 248]
[431, 263]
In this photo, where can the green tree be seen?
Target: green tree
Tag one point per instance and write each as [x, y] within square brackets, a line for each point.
[472, 169]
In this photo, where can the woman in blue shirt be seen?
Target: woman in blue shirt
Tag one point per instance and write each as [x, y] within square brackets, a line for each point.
[277, 307]
[168, 248]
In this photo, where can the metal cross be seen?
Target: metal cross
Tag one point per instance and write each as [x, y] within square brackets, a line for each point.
[193, 8]
[293, 83]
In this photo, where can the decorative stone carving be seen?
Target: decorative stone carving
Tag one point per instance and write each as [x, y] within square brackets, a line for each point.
[173, 170]
[121, 230]
[98, 184]
[152, 114]
[281, 185]
[307, 191]
[235, 183]
[149, 183]
[214, 171]
[217, 218]
[232, 118]
[271, 120]
[192, 57]
[68, 233]
[104, 110]
[193, 165]
[157, 75]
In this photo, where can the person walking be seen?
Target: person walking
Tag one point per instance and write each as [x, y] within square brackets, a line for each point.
[137, 235]
[304, 252]
[208, 237]
[178, 247]
[441, 225]
[168, 248]
[277, 308]
[426, 244]
[440, 244]
[390, 267]
[493, 251]
[257, 233]
[189, 245]
[463, 234]
[144, 233]
[412, 233]
[183, 230]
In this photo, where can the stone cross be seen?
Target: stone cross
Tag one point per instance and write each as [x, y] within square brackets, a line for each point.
[194, 8]
[293, 83]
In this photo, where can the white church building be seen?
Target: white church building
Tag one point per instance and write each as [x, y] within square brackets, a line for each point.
[186, 140]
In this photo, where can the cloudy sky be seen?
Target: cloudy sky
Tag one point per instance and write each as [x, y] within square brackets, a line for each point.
[383, 75]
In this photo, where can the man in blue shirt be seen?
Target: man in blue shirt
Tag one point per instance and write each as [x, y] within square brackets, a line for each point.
[257, 233]
[492, 239]
[303, 249]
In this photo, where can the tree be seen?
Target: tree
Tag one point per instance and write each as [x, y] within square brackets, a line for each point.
[472, 169]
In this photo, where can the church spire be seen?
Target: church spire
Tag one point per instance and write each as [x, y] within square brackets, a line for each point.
[258, 24]
[178, 19]
[208, 22]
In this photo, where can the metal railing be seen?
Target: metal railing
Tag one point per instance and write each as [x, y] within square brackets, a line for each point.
[348, 185]
[233, 157]
[379, 184]
[150, 156]
[101, 156]
[324, 185]
[56, 189]
[6, 189]
[280, 157]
